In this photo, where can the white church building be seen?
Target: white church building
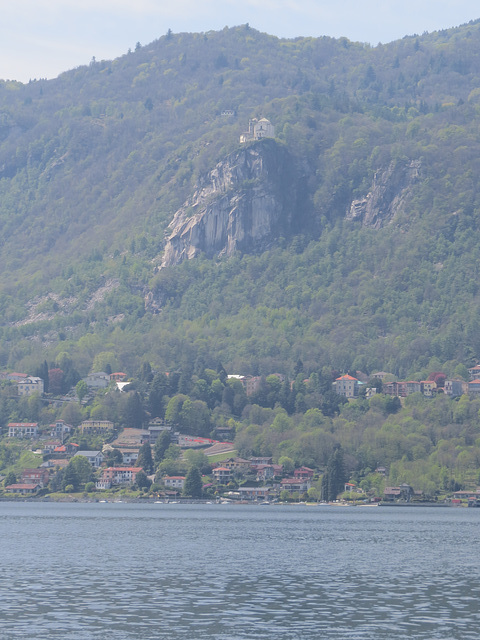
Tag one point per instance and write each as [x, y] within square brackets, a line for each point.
[258, 129]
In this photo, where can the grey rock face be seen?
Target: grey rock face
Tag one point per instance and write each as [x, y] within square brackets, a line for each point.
[387, 196]
[243, 204]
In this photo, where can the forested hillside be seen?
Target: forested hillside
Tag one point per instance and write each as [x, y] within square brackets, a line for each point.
[94, 164]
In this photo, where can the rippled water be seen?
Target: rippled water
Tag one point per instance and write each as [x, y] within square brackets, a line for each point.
[221, 572]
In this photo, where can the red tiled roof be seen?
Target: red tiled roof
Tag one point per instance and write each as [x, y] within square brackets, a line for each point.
[22, 424]
[347, 377]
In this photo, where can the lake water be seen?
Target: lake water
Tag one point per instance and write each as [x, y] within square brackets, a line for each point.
[224, 572]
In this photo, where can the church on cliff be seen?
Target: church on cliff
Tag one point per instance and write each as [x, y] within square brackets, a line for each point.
[258, 129]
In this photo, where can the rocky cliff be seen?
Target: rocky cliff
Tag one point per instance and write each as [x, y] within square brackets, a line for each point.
[243, 204]
[387, 196]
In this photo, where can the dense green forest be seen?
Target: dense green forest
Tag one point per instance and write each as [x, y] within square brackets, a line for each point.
[94, 164]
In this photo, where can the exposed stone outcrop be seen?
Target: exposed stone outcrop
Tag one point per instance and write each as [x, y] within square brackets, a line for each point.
[243, 204]
[388, 194]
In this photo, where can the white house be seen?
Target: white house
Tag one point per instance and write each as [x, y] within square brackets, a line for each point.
[174, 482]
[22, 429]
[94, 457]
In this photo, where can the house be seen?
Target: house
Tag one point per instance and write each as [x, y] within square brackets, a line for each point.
[117, 475]
[129, 456]
[403, 492]
[428, 388]
[455, 388]
[349, 487]
[381, 375]
[258, 129]
[23, 488]
[474, 372]
[174, 482]
[50, 446]
[96, 426]
[474, 387]
[304, 472]
[412, 386]
[118, 377]
[30, 385]
[22, 429]
[389, 388]
[94, 457]
[155, 428]
[239, 465]
[293, 485]
[98, 380]
[346, 386]
[16, 377]
[252, 384]
[254, 462]
[36, 477]
[69, 449]
[222, 475]
[265, 472]
[253, 493]
[60, 428]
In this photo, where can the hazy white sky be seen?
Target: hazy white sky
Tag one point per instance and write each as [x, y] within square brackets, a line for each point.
[42, 38]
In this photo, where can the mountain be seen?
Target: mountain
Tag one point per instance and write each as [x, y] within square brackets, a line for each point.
[351, 240]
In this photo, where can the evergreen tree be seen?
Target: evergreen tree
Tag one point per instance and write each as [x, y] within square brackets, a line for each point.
[146, 372]
[158, 390]
[334, 478]
[161, 445]
[133, 414]
[145, 459]
[70, 477]
[193, 484]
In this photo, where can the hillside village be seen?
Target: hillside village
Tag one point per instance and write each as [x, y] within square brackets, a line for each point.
[159, 460]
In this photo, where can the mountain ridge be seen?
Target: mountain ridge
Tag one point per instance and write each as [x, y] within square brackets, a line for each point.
[96, 163]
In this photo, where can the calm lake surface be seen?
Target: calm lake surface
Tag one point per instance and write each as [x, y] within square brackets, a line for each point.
[224, 572]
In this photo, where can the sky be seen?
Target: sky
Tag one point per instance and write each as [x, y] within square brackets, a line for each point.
[42, 38]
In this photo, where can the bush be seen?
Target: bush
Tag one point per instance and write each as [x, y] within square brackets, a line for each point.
[89, 487]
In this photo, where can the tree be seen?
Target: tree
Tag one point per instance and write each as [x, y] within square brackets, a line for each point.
[81, 389]
[10, 479]
[193, 484]
[133, 414]
[55, 381]
[113, 457]
[42, 372]
[82, 468]
[198, 459]
[142, 481]
[287, 464]
[161, 445]
[158, 390]
[145, 459]
[334, 478]
[70, 477]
